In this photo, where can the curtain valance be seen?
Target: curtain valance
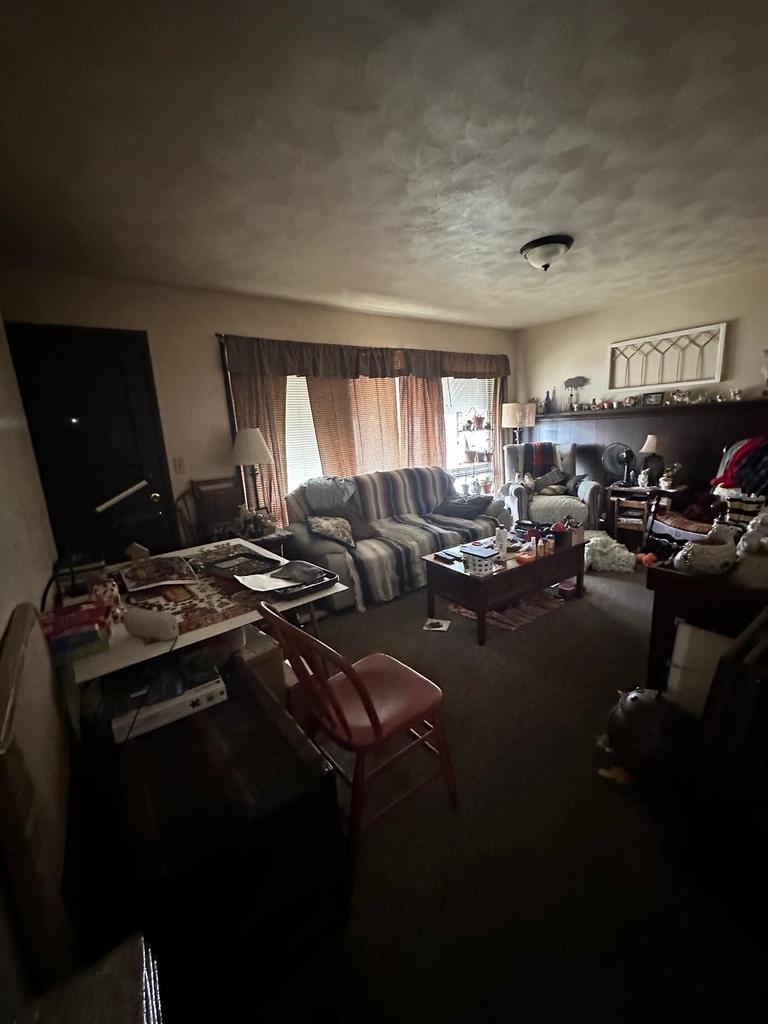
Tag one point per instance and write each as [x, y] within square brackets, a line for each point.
[268, 358]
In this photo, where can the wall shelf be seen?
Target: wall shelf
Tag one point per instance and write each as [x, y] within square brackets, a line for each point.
[656, 410]
[694, 435]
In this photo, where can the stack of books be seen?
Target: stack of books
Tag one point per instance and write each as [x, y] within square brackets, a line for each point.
[77, 631]
[630, 516]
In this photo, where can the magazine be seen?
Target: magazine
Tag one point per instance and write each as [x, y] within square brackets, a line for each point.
[160, 571]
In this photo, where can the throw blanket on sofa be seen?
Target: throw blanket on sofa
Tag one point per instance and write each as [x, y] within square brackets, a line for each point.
[391, 565]
[538, 457]
[399, 504]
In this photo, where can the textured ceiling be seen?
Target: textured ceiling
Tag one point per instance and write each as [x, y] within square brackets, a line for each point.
[389, 156]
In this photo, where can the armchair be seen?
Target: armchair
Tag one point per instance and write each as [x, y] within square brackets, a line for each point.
[584, 507]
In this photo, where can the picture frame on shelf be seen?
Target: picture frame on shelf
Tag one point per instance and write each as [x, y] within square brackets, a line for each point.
[653, 398]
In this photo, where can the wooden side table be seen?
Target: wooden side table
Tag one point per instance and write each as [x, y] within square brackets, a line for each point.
[624, 501]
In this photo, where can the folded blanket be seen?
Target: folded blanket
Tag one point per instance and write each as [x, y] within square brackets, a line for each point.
[538, 457]
[728, 476]
[752, 472]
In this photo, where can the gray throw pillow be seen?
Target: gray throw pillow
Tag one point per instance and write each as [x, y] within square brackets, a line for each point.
[332, 528]
[572, 484]
[460, 507]
[325, 492]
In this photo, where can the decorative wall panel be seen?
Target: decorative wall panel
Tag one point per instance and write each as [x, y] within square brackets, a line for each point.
[692, 356]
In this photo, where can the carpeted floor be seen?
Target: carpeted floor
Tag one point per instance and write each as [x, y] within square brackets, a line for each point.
[551, 894]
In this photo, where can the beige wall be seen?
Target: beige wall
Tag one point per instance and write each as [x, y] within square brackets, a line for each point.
[26, 543]
[550, 353]
[26, 556]
[182, 324]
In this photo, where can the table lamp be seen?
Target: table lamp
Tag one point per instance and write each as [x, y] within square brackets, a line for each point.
[515, 415]
[250, 451]
[654, 462]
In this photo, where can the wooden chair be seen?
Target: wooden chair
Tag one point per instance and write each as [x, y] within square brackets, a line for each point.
[360, 707]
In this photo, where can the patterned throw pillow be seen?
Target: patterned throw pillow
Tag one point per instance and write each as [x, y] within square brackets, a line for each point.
[332, 528]
[554, 476]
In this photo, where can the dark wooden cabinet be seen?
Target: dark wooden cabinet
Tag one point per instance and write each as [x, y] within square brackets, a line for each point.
[227, 846]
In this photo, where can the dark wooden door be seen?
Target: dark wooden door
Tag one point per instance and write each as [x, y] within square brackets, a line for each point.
[90, 401]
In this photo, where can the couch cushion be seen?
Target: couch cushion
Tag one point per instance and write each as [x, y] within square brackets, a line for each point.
[546, 509]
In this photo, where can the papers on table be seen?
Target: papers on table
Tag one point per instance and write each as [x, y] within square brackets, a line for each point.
[262, 582]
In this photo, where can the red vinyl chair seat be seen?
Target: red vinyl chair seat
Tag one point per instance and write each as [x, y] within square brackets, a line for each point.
[399, 694]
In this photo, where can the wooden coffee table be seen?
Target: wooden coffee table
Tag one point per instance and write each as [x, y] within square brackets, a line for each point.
[507, 583]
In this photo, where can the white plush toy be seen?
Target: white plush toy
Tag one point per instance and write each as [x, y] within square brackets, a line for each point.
[755, 540]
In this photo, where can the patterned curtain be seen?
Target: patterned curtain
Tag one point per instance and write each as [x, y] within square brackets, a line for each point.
[498, 399]
[355, 424]
[422, 422]
[260, 402]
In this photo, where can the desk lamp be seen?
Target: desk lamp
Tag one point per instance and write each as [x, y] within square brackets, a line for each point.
[654, 462]
[250, 451]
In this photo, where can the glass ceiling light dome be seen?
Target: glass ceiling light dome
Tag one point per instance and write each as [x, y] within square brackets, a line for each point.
[542, 252]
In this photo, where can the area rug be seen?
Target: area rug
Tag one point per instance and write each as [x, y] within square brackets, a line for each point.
[519, 613]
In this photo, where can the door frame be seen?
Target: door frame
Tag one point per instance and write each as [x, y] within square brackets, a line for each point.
[141, 339]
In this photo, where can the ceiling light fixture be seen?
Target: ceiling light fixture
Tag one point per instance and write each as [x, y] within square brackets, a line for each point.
[542, 252]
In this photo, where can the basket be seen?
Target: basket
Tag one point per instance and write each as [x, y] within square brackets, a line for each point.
[479, 564]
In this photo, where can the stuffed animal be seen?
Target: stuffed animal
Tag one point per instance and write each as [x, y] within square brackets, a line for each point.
[755, 540]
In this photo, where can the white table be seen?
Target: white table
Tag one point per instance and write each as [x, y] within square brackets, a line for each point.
[125, 650]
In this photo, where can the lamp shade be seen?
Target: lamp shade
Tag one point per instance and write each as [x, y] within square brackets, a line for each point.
[651, 445]
[518, 414]
[250, 448]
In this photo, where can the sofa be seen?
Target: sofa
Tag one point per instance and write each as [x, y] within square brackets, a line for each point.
[584, 506]
[399, 507]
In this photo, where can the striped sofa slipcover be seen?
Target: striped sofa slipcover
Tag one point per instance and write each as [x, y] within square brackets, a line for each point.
[400, 505]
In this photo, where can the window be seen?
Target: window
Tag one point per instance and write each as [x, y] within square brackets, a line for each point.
[469, 453]
[301, 454]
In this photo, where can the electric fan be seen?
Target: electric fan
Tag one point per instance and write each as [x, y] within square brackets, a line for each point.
[619, 459]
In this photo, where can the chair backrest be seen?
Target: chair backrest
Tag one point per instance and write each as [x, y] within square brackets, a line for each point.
[34, 789]
[216, 502]
[314, 663]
